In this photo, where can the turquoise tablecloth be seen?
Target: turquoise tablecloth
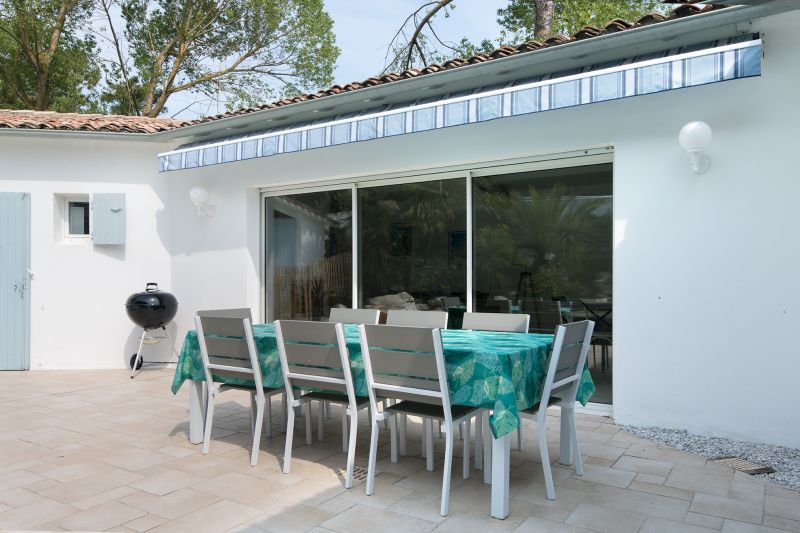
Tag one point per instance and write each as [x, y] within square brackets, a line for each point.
[499, 371]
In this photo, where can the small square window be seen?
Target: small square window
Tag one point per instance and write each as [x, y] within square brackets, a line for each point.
[72, 218]
[78, 219]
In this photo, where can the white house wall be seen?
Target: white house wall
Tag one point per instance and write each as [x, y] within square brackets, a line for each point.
[78, 291]
[705, 297]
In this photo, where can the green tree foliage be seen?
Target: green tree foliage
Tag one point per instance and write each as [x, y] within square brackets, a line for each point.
[47, 60]
[247, 50]
[519, 20]
[240, 52]
[417, 43]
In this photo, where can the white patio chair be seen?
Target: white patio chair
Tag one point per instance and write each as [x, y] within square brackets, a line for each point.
[354, 316]
[514, 323]
[315, 355]
[564, 372]
[496, 322]
[407, 364]
[228, 349]
[419, 319]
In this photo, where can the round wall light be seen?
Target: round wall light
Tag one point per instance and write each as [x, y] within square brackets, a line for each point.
[695, 137]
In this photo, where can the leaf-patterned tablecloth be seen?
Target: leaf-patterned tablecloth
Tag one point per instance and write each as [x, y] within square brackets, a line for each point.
[503, 372]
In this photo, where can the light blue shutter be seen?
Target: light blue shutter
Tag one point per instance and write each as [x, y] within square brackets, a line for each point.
[108, 218]
[15, 260]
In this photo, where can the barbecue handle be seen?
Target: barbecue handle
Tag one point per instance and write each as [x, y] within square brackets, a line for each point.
[151, 284]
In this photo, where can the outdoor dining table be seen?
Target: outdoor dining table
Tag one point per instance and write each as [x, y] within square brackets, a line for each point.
[498, 371]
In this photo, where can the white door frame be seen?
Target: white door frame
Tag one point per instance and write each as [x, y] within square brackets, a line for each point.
[572, 158]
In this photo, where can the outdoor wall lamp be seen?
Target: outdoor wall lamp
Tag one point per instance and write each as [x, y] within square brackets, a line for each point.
[199, 197]
[695, 138]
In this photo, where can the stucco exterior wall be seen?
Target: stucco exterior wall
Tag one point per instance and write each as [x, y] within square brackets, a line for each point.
[78, 291]
[705, 297]
[705, 301]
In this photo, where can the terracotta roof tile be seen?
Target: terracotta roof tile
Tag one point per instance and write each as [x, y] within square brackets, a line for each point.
[49, 120]
[43, 120]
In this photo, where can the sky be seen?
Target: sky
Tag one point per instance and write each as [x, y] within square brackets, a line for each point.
[364, 28]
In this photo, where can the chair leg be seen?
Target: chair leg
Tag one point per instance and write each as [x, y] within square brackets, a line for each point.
[467, 425]
[209, 419]
[307, 415]
[284, 413]
[351, 452]
[253, 410]
[393, 439]
[423, 442]
[287, 453]
[428, 430]
[576, 449]
[448, 464]
[402, 426]
[344, 430]
[328, 410]
[321, 421]
[268, 409]
[479, 441]
[259, 417]
[519, 436]
[373, 452]
[548, 474]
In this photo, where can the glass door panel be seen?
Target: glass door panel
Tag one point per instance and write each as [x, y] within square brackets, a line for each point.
[310, 254]
[543, 246]
[413, 245]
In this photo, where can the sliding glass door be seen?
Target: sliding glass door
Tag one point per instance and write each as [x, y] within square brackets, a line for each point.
[542, 244]
[310, 254]
[539, 239]
[413, 245]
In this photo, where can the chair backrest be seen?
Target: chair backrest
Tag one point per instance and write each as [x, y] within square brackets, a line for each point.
[405, 363]
[545, 315]
[496, 322]
[565, 368]
[418, 319]
[230, 313]
[450, 301]
[354, 316]
[314, 355]
[227, 347]
[500, 305]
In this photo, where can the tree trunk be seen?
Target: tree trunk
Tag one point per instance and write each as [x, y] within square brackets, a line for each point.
[543, 23]
[42, 90]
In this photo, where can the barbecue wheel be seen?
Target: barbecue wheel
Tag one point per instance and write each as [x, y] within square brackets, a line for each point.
[133, 361]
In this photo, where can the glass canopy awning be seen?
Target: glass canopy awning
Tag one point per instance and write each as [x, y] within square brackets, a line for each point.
[713, 62]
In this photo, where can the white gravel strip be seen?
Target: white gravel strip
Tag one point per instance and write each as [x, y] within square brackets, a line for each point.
[785, 461]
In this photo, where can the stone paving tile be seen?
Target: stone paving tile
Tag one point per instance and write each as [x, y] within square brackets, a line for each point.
[707, 521]
[605, 519]
[644, 466]
[102, 517]
[640, 502]
[727, 508]
[661, 525]
[732, 526]
[97, 451]
[782, 507]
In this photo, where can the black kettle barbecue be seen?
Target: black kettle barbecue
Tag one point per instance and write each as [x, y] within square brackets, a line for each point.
[152, 309]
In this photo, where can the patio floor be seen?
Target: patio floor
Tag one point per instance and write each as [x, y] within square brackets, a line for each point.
[91, 450]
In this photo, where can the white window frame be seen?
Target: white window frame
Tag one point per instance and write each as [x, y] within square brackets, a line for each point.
[61, 212]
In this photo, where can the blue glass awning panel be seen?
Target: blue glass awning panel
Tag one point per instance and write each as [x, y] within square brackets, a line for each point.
[718, 61]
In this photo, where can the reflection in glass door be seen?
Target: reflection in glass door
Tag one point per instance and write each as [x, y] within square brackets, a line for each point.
[309, 254]
[542, 245]
[413, 245]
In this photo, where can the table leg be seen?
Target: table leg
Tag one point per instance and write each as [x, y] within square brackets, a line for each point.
[566, 432]
[501, 455]
[487, 449]
[197, 411]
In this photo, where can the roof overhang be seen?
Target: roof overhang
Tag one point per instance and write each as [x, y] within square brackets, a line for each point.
[687, 31]
[638, 41]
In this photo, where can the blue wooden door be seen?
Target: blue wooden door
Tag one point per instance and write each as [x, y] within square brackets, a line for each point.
[15, 257]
